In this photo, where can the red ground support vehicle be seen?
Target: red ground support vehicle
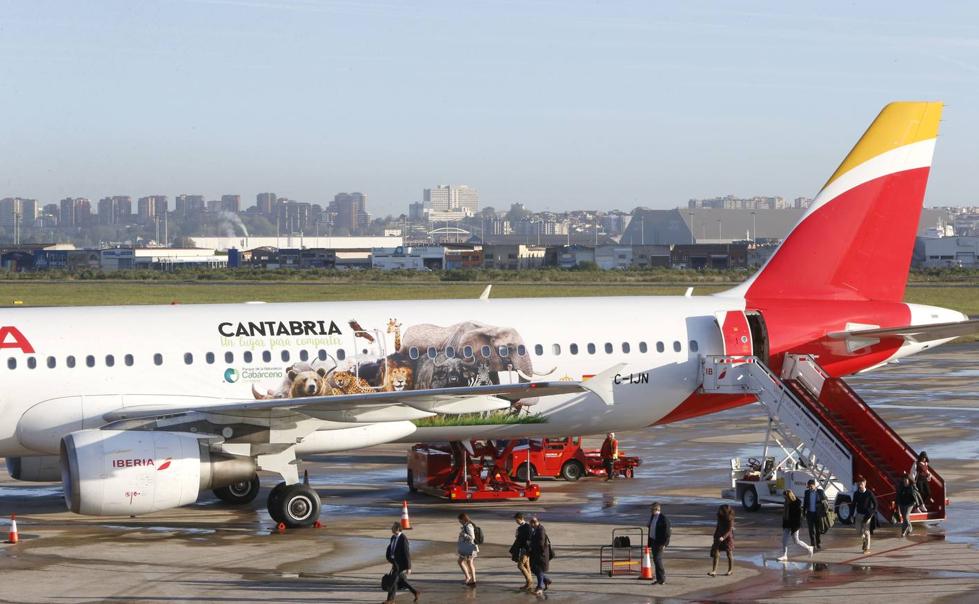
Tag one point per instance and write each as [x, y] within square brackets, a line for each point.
[457, 473]
[564, 458]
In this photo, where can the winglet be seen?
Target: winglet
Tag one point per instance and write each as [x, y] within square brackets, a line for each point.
[601, 383]
[486, 292]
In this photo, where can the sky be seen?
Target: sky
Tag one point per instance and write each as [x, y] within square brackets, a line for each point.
[556, 104]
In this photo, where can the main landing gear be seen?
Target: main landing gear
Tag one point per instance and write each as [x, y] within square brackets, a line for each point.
[294, 505]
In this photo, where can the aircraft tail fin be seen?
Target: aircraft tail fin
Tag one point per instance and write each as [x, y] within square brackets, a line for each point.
[856, 239]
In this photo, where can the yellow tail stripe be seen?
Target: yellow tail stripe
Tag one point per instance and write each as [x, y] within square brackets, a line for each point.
[897, 125]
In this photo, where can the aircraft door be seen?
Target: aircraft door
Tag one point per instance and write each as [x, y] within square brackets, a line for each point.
[735, 333]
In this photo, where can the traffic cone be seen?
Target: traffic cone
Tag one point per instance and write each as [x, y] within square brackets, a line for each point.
[405, 521]
[12, 536]
[646, 570]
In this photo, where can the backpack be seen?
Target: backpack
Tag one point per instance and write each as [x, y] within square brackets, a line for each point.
[550, 550]
[478, 532]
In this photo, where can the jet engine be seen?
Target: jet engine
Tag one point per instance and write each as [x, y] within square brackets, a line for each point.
[129, 472]
[38, 468]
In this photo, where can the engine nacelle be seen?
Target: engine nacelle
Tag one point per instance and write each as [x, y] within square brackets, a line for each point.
[129, 472]
[36, 468]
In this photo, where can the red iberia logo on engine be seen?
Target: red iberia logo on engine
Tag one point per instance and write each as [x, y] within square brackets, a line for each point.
[165, 464]
[132, 463]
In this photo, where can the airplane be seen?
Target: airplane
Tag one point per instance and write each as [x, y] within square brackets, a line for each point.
[139, 408]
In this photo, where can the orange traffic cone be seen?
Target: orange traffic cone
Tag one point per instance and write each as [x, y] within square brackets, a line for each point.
[405, 521]
[12, 535]
[646, 570]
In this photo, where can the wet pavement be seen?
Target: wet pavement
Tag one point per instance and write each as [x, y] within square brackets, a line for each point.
[208, 552]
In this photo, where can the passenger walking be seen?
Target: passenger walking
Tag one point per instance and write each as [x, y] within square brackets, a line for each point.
[723, 539]
[791, 523]
[520, 550]
[814, 504]
[467, 549]
[659, 538]
[921, 476]
[864, 511]
[540, 555]
[610, 453]
[399, 556]
[906, 499]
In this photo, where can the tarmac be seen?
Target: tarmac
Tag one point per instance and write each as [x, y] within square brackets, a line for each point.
[211, 553]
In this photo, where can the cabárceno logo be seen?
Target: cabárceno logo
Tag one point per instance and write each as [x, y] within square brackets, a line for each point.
[231, 375]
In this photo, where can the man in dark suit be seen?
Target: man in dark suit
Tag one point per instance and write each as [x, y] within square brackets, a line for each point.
[520, 550]
[813, 505]
[399, 556]
[659, 539]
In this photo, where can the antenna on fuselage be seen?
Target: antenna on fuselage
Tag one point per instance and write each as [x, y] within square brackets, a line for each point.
[688, 293]
[486, 292]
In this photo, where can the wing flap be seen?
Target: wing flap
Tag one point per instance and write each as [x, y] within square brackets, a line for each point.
[914, 333]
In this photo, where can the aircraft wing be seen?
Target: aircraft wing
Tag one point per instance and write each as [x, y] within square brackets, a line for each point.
[457, 400]
[914, 333]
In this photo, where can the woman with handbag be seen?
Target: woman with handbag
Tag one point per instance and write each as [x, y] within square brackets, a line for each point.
[723, 539]
[540, 555]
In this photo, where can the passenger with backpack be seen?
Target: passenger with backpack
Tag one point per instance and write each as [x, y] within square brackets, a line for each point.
[540, 555]
[468, 548]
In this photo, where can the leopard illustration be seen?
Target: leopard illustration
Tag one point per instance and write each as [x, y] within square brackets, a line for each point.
[348, 383]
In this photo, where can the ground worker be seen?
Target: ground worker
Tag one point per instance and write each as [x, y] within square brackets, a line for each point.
[610, 453]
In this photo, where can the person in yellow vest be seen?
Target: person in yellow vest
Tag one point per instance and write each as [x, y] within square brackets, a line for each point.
[610, 452]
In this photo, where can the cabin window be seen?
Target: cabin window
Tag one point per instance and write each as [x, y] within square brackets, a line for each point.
[11, 363]
[625, 347]
[413, 353]
[485, 351]
[285, 356]
[467, 352]
[188, 358]
[556, 349]
[266, 356]
[676, 346]
[573, 349]
[110, 360]
[247, 356]
[304, 355]
[31, 362]
[52, 363]
[643, 347]
[432, 353]
[129, 359]
[209, 358]
[341, 354]
[694, 346]
[660, 347]
[608, 348]
[538, 349]
[321, 355]
[70, 361]
[229, 357]
[450, 352]
[591, 348]
[522, 350]
[157, 359]
[504, 351]
[90, 361]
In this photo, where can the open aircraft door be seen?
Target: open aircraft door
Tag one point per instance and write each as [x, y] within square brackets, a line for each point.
[735, 333]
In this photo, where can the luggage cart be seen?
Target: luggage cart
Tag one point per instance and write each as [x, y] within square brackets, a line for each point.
[623, 557]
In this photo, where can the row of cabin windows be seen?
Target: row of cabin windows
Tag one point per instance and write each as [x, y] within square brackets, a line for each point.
[506, 351]
[305, 355]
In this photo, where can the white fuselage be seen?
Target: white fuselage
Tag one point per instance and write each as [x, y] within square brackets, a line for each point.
[192, 355]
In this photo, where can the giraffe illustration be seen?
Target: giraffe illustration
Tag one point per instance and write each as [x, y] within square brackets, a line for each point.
[395, 328]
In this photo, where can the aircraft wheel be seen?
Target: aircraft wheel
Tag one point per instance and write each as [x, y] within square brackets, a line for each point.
[521, 472]
[572, 471]
[295, 505]
[749, 499]
[239, 493]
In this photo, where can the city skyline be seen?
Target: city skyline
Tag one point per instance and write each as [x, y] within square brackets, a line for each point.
[558, 105]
